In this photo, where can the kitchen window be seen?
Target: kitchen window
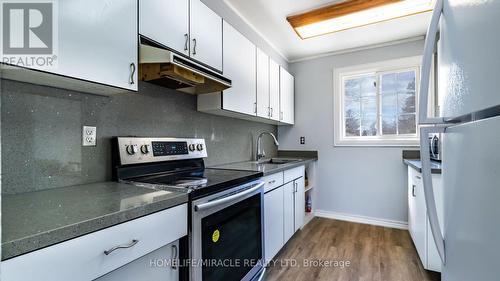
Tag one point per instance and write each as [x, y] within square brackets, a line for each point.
[376, 104]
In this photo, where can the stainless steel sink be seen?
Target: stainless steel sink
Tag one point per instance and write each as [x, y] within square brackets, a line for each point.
[278, 161]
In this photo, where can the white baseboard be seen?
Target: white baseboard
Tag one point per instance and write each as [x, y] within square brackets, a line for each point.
[361, 219]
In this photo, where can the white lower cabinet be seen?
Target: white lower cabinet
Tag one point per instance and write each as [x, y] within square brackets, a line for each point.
[273, 222]
[289, 212]
[418, 222]
[159, 265]
[283, 210]
[84, 258]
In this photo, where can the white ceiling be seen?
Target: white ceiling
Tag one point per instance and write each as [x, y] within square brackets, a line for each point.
[268, 17]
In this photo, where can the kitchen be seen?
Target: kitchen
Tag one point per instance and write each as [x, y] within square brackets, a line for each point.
[249, 140]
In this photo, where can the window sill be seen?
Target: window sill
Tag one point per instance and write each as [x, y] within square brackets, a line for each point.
[377, 143]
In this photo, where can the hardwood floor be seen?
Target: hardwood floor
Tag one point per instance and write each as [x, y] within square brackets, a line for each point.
[374, 253]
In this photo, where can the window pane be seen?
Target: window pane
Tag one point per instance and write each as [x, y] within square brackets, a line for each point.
[406, 81]
[369, 105]
[369, 125]
[360, 86]
[406, 124]
[352, 113]
[389, 104]
[388, 82]
[406, 102]
[389, 125]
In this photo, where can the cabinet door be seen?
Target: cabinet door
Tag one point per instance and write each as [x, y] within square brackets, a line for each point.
[240, 67]
[289, 211]
[420, 219]
[98, 41]
[286, 97]
[411, 203]
[274, 89]
[151, 267]
[206, 35]
[166, 22]
[273, 222]
[300, 202]
[263, 108]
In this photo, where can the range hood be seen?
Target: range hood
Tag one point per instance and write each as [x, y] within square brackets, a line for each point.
[168, 69]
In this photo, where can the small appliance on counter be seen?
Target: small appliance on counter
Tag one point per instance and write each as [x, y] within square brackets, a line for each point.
[225, 206]
[435, 147]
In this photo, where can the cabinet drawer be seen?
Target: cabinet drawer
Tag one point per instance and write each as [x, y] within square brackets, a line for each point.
[294, 173]
[83, 258]
[272, 181]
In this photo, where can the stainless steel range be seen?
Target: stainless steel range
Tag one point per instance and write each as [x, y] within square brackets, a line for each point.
[226, 231]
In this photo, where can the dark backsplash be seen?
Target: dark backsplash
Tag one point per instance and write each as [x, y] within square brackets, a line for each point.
[41, 131]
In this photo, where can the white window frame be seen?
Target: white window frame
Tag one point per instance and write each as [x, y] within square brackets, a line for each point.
[397, 65]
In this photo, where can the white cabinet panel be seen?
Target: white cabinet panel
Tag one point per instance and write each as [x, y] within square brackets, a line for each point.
[205, 35]
[166, 22]
[273, 222]
[274, 89]
[418, 222]
[299, 203]
[263, 107]
[151, 267]
[83, 258]
[240, 67]
[286, 97]
[289, 211]
[98, 41]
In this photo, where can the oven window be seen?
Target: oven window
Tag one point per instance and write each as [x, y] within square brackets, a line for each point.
[232, 240]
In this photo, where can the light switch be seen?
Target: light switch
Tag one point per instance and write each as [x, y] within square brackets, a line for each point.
[89, 136]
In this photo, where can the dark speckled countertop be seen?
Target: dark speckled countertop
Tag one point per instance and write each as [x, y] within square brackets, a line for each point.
[417, 165]
[34, 220]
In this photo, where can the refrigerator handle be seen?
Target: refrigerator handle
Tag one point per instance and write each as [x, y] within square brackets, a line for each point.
[430, 42]
[430, 201]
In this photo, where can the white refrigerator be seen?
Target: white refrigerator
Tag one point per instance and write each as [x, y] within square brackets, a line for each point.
[468, 76]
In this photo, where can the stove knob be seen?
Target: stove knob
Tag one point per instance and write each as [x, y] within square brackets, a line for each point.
[192, 147]
[199, 147]
[131, 149]
[145, 149]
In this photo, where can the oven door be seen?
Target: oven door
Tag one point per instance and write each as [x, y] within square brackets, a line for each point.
[227, 234]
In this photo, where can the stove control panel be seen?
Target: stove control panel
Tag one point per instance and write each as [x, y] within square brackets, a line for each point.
[135, 150]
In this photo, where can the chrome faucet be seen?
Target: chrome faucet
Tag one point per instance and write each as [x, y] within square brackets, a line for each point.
[258, 154]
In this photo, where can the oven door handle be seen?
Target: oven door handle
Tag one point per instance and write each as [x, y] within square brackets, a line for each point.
[223, 200]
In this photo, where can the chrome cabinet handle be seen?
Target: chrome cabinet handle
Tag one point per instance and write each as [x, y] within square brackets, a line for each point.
[271, 182]
[271, 112]
[296, 187]
[255, 107]
[413, 191]
[131, 244]
[132, 73]
[281, 115]
[194, 46]
[418, 177]
[186, 36]
[175, 252]
[430, 42]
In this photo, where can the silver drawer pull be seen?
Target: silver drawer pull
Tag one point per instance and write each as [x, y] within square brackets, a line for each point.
[418, 177]
[175, 253]
[131, 244]
[271, 182]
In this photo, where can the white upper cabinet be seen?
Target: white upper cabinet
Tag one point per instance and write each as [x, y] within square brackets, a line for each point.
[263, 108]
[166, 22]
[240, 67]
[205, 35]
[274, 90]
[98, 41]
[286, 97]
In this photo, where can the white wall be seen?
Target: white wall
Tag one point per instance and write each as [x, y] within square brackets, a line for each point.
[359, 181]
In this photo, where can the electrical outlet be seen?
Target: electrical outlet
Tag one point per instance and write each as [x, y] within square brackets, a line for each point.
[89, 136]
[302, 140]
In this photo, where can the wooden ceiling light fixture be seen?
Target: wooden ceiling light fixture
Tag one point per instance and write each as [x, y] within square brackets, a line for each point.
[354, 13]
